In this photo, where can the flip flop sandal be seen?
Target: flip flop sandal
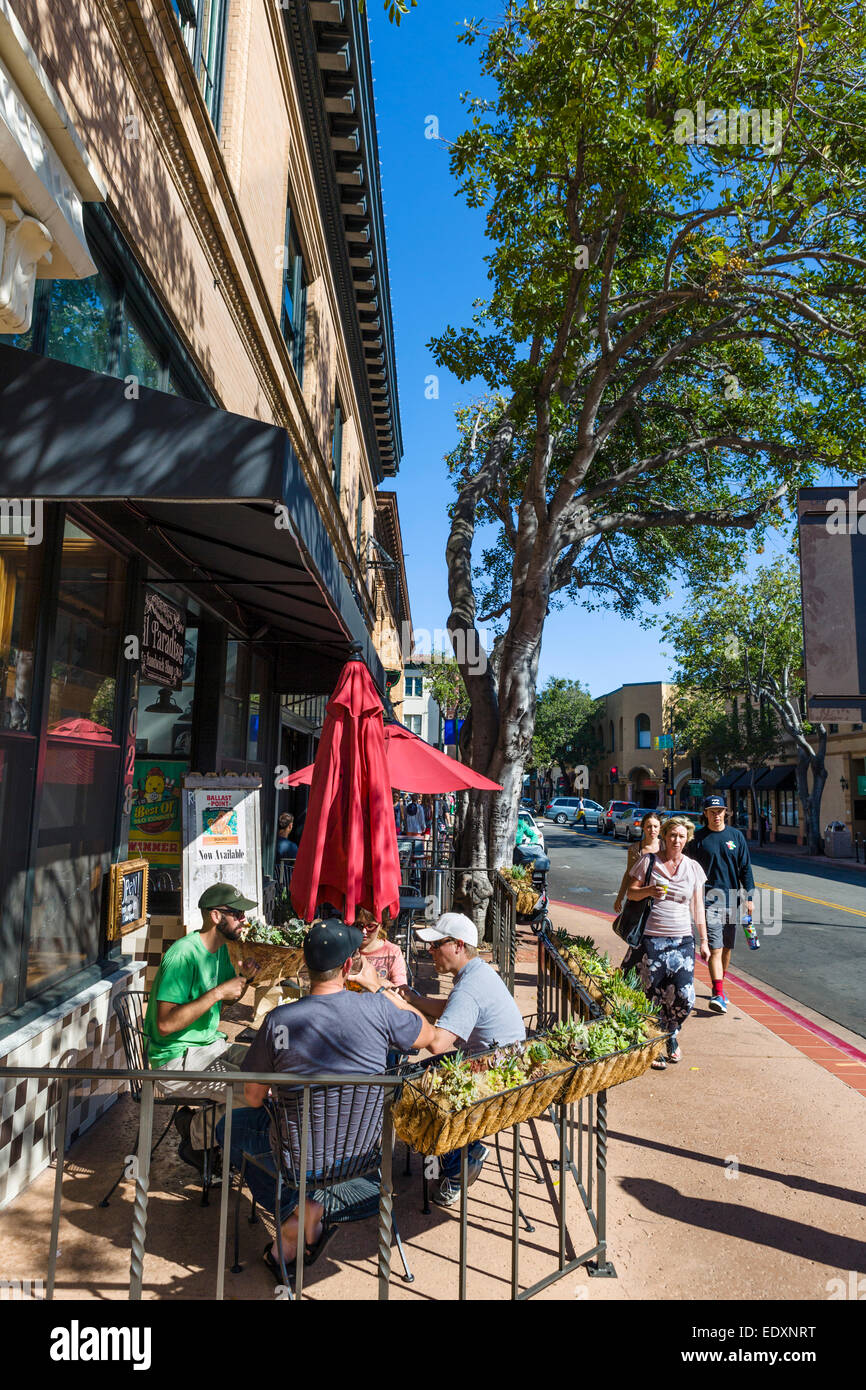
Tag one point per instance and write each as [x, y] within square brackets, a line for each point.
[676, 1055]
[659, 1064]
[273, 1264]
[312, 1252]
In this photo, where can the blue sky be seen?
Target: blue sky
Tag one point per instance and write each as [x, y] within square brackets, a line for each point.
[436, 250]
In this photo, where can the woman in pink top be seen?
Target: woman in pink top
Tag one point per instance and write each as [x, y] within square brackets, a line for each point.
[386, 958]
[665, 958]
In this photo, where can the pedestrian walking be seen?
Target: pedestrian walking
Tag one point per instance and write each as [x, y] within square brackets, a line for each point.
[723, 854]
[648, 844]
[665, 958]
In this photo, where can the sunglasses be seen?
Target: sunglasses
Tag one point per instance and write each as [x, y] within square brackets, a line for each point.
[437, 945]
[238, 914]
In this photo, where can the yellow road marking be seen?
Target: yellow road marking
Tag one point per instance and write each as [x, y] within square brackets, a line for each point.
[820, 902]
[803, 899]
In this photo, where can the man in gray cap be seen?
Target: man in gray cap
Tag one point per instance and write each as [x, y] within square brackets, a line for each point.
[181, 1026]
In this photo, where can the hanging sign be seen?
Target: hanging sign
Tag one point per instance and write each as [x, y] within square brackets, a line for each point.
[221, 838]
[162, 641]
[127, 897]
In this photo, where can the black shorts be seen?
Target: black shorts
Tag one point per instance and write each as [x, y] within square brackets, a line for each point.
[721, 933]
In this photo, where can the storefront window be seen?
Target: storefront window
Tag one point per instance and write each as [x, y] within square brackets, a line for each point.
[788, 812]
[141, 361]
[79, 788]
[20, 577]
[237, 685]
[82, 324]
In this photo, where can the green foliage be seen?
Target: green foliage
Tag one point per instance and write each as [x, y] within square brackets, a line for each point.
[672, 341]
[447, 688]
[102, 707]
[565, 719]
[726, 733]
[290, 933]
[452, 1081]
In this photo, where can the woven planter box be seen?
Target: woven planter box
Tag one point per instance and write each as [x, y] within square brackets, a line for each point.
[589, 1077]
[429, 1126]
[274, 963]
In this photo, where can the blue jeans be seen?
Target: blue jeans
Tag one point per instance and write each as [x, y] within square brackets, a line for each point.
[251, 1134]
[449, 1164]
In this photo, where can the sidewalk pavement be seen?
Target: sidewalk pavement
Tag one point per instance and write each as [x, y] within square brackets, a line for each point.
[796, 852]
[738, 1174]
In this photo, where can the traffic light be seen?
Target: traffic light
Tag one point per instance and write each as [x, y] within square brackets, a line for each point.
[671, 793]
[613, 775]
[666, 775]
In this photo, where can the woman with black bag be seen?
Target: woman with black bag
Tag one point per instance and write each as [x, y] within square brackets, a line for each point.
[665, 955]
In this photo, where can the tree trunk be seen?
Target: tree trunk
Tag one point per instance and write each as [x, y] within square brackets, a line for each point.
[810, 799]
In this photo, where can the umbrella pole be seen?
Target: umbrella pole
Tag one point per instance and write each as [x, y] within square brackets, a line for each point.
[435, 832]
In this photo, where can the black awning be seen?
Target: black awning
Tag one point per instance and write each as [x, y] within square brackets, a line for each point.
[744, 779]
[784, 777]
[729, 779]
[207, 485]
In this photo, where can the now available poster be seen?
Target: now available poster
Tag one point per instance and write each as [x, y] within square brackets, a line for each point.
[221, 839]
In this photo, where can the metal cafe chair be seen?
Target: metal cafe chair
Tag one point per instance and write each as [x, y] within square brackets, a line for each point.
[343, 1163]
[130, 1006]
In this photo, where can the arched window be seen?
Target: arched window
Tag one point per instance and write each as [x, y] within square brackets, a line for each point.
[642, 738]
[612, 744]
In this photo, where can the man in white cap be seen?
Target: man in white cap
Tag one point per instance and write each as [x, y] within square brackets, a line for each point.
[479, 1013]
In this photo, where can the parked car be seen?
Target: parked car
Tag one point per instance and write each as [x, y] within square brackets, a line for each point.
[585, 813]
[628, 825]
[612, 811]
[527, 816]
[561, 808]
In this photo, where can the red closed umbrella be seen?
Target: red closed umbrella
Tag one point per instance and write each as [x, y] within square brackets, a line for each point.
[416, 766]
[348, 853]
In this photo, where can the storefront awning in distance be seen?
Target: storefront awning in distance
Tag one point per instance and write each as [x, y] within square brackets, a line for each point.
[222, 493]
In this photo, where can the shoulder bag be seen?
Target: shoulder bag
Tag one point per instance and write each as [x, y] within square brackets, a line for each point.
[631, 922]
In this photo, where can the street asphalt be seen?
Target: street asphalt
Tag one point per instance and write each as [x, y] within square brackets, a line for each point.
[812, 932]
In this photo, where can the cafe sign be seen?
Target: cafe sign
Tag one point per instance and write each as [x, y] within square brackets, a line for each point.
[127, 897]
[221, 838]
[162, 641]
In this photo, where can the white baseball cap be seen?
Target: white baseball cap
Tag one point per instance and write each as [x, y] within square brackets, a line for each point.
[452, 926]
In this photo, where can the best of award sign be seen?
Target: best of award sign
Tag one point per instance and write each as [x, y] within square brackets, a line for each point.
[162, 641]
[221, 838]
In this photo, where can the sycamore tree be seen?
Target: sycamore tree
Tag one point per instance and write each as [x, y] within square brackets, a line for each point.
[725, 733]
[673, 338]
[566, 718]
[745, 640]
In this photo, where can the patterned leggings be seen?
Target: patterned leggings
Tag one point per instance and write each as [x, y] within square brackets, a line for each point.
[666, 966]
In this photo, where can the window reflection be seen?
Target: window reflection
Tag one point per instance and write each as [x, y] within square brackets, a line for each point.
[79, 789]
[20, 576]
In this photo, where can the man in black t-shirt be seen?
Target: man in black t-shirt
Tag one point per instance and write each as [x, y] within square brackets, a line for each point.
[724, 856]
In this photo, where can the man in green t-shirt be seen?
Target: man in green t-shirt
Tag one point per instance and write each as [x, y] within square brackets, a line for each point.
[181, 1026]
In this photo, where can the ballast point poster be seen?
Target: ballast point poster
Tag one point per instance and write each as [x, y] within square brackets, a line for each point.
[221, 838]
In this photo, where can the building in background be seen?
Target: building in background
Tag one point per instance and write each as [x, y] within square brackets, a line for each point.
[198, 400]
[419, 711]
[634, 766]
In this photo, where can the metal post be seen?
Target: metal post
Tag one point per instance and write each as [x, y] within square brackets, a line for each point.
[60, 1140]
[563, 1183]
[386, 1200]
[142, 1181]
[224, 1195]
[603, 1266]
[464, 1214]
[515, 1212]
[302, 1192]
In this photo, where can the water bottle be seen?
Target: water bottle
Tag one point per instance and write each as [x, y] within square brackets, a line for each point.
[751, 933]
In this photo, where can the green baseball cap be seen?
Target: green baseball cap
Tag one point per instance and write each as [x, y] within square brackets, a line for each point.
[224, 895]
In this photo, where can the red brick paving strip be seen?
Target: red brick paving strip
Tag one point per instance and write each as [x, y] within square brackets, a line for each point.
[811, 1039]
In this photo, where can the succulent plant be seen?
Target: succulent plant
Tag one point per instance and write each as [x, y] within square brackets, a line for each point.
[454, 1082]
